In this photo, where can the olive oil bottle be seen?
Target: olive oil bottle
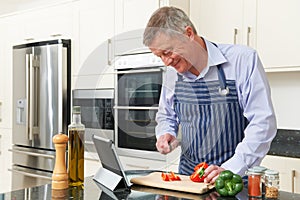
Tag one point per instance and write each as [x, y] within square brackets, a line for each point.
[76, 132]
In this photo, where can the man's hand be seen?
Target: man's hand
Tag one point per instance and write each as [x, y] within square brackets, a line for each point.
[166, 143]
[212, 173]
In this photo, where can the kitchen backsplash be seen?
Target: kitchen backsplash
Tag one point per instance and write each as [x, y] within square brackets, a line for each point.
[286, 143]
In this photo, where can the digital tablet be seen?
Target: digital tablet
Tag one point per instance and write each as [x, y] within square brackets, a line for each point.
[111, 174]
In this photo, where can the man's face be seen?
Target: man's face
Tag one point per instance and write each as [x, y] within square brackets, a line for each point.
[180, 52]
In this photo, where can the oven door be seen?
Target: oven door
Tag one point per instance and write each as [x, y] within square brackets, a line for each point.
[138, 92]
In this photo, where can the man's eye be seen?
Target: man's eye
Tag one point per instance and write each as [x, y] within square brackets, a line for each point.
[167, 53]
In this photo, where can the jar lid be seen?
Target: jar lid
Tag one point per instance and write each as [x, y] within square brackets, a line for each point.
[254, 171]
[271, 172]
[262, 168]
[76, 110]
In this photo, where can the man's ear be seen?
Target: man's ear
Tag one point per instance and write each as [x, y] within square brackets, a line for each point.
[189, 32]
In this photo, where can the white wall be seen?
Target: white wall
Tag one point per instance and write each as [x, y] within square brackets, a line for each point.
[285, 88]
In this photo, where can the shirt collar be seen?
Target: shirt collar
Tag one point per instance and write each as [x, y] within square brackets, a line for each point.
[215, 57]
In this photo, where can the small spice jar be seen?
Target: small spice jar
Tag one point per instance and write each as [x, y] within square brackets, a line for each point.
[272, 184]
[263, 185]
[254, 182]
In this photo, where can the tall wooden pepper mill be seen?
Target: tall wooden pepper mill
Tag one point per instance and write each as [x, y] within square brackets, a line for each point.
[60, 175]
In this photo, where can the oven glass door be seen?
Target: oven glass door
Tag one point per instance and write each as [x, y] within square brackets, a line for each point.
[139, 89]
[138, 98]
[136, 129]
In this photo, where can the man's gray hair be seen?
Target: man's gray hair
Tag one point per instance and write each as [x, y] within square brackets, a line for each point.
[169, 20]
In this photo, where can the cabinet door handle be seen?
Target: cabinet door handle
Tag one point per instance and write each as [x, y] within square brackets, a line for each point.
[235, 33]
[0, 111]
[109, 51]
[56, 35]
[137, 166]
[293, 180]
[248, 35]
[0, 144]
[29, 39]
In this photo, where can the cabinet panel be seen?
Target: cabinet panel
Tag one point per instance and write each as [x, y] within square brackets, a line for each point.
[217, 20]
[96, 26]
[132, 163]
[91, 167]
[7, 39]
[5, 159]
[289, 171]
[278, 33]
[133, 14]
[54, 21]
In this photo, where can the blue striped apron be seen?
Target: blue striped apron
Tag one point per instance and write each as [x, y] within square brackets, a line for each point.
[212, 122]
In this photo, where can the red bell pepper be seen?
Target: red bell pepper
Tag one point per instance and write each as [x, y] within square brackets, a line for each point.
[198, 175]
[170, 176]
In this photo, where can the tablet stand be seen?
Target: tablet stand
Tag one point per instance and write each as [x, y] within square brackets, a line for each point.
[109, 179]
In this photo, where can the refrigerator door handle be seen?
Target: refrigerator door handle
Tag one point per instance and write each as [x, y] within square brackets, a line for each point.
[32, 154]
[30, 174]
[29, 96]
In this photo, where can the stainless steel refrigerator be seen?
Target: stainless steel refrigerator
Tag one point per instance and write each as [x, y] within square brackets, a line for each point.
[41, 108]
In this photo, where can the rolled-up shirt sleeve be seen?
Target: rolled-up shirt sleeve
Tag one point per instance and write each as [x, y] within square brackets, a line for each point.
[166, 117]
[255, 99]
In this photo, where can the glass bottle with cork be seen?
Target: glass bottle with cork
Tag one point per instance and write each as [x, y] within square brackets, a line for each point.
[76, 132]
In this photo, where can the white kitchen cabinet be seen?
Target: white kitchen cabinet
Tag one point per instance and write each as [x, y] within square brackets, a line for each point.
[96, 26]
[5, 159]
[278, 33]
[96, 30]
[8, 26]
[91, 166]
[170, 164]
[133, 15]
[133, 163]
[231, 21]
[268, 26]
[48, 23]
[289, 171]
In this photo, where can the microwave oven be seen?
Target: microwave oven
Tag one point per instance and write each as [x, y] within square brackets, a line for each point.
[96, 114]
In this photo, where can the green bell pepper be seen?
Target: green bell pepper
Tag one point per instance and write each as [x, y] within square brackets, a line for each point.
[228, 183]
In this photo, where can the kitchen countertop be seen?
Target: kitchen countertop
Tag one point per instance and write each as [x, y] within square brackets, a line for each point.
[93, 190]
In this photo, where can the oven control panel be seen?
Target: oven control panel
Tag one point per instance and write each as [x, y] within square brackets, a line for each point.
[138, 61]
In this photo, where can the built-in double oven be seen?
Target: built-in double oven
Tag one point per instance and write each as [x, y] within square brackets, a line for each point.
[138, 86]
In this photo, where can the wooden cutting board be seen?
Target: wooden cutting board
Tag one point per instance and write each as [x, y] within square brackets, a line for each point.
[185, 185]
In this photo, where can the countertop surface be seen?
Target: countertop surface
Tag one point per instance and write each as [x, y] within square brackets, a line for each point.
[93, 190]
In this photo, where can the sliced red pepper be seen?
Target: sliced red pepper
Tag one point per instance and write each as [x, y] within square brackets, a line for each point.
[170, 176]
[198, 175]
[165, 177]
[174, 177]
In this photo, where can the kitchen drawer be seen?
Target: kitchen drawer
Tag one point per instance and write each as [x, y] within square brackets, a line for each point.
[91, 166]
[132, 163]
